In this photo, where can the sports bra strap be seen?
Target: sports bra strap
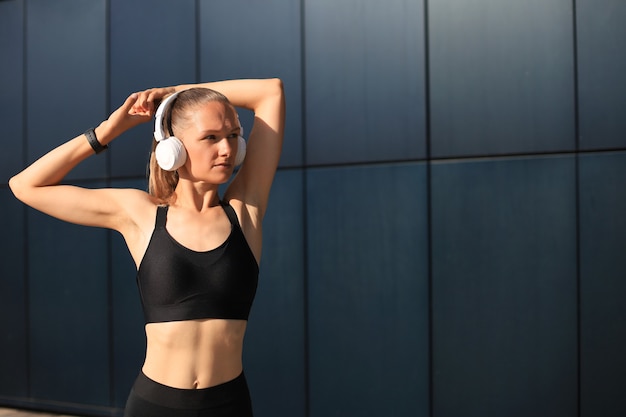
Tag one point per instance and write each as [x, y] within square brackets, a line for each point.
[230, 212]
[161, 217]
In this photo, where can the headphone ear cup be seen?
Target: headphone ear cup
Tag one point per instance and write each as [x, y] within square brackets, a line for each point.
[241, 151]
[170, 153]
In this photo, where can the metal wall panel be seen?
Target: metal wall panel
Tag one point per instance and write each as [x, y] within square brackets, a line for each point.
[501, 77]
[368, 305]
[65, 75]
[365, 78]
[504, 288]
[602, 272]
[601, 73]
[12, 87]
[68, 311]
[13, 305]
[246, 39]
[274, 354]
[153, 44]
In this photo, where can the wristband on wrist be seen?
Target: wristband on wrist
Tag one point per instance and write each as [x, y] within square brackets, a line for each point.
[93, 141]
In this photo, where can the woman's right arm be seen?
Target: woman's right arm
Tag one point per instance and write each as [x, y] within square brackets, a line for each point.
[39, 184]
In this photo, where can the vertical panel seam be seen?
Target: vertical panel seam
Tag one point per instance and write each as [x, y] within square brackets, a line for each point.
[198, 24]
[108, 240]
[427, 128]
[304, 196]
[577, 210]
[26, 272]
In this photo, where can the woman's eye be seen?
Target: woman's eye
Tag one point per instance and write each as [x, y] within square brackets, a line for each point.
[211, 137]
[233, 135]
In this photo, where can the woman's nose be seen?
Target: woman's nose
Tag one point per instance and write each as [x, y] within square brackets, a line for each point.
[225, 147]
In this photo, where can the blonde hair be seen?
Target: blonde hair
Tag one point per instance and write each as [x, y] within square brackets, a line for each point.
[161, 183]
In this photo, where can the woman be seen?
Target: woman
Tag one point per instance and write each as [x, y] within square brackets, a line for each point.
[197, 254]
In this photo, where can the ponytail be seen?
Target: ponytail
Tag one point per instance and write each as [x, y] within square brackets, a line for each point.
[161, 183]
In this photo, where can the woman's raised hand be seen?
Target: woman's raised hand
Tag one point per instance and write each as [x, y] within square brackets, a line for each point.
[127, 116]
[146, 100]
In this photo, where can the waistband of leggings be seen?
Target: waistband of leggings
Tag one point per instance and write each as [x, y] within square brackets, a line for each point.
[171, 397]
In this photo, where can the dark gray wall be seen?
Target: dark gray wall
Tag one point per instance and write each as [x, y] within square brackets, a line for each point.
[445, 234]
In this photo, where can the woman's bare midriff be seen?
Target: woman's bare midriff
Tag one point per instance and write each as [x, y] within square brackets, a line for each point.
[194, 354]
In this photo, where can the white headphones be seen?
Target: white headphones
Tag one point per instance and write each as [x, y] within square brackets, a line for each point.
[170, 152]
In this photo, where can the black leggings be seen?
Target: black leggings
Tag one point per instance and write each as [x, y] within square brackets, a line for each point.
[148, 398]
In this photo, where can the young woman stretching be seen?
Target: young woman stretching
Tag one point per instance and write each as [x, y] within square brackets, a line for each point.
[197, 254]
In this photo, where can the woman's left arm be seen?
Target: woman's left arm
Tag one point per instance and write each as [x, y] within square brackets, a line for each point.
[266, 99]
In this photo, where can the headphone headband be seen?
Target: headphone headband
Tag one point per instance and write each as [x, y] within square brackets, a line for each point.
[159, 134]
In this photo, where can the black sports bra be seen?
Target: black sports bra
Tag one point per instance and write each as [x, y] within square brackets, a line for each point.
[176, 283]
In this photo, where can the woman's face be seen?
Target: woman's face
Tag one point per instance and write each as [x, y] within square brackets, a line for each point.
[210, 138]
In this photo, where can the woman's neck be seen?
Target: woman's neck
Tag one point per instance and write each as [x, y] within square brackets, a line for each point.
[198, 196]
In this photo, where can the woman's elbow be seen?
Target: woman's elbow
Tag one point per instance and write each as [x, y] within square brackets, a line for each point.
[275, 86]
[17, 187]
